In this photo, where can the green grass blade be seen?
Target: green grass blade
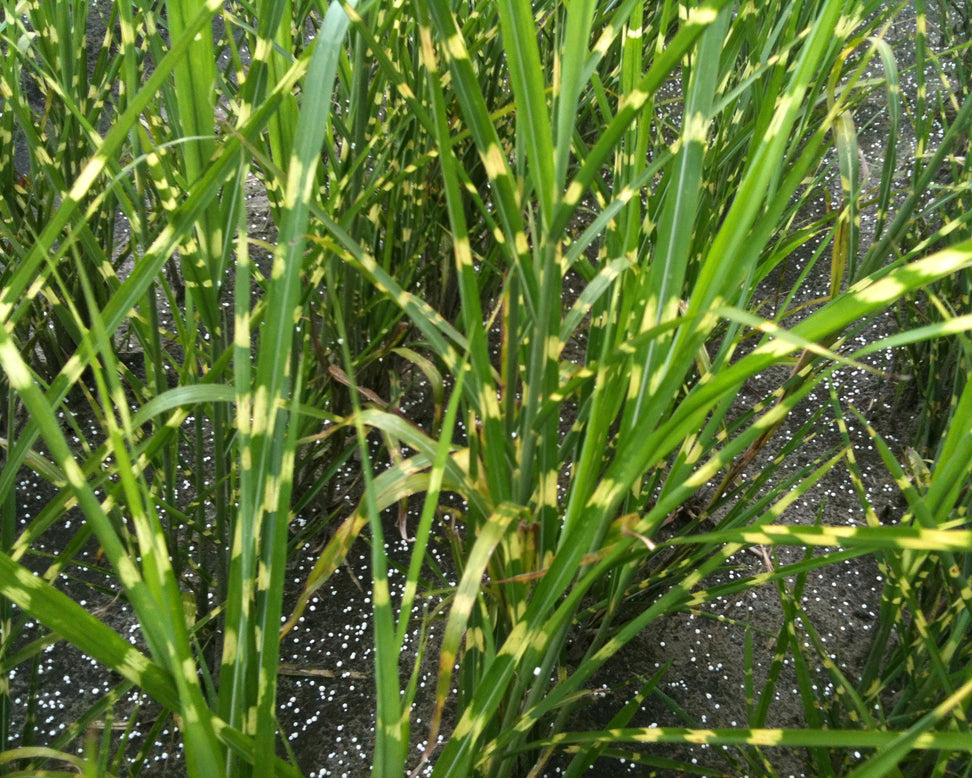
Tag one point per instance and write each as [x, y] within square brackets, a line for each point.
[666, 274]
[790, 738]
[526, 75]
[267, 451]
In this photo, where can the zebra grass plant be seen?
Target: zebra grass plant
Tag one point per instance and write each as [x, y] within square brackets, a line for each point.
[434, 173]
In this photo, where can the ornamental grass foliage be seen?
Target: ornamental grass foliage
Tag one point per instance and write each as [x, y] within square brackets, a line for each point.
[563, 217]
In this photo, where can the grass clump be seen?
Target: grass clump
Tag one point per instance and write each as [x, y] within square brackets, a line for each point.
[565, 219]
